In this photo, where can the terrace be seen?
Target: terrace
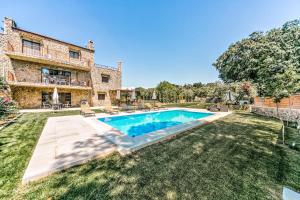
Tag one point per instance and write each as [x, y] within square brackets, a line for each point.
[46, 55]
[49, 85]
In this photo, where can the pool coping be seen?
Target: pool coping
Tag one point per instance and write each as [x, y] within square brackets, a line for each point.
[126, 144]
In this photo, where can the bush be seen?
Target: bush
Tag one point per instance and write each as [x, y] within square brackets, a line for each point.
[3, 85]
[7, 107]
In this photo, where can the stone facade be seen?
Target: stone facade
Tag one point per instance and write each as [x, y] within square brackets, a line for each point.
[113, 84]
[28, 97]
[292, 115]
[22, 68]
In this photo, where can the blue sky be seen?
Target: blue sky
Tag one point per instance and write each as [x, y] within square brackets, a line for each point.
[173, 40]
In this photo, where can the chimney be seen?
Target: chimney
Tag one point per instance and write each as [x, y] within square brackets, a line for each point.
[90, 45]
[8, 24]
[119, 65]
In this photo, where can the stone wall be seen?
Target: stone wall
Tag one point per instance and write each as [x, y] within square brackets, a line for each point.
[99, 87]
[32, 97]
[50, 48]
[286, 114]
[4, 60]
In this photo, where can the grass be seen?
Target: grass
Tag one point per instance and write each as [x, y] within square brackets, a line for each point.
[236, 157]
[292, 138]
[17, 143]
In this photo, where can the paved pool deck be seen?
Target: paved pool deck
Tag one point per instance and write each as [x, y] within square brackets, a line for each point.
[65, 142]
[73, 140]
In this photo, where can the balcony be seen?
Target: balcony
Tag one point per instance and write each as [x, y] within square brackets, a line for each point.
[63, 80]
[106, 67]
[52, 82]
[48, 56]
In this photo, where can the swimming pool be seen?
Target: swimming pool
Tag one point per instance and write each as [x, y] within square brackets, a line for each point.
[141, 124]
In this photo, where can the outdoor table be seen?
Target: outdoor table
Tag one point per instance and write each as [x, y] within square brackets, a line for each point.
[57, 106]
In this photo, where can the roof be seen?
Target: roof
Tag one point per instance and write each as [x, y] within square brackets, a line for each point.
[51, 38]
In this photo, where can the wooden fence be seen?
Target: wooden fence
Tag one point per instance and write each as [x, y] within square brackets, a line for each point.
[292, 102]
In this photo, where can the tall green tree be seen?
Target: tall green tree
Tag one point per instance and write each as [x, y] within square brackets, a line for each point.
[270, 60]
[167, 92]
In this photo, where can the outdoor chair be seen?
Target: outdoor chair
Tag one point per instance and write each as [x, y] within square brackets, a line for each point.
[86, 110]
[46, 105]
[67, 105]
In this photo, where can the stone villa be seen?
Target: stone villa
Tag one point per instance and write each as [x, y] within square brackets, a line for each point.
[34, 64]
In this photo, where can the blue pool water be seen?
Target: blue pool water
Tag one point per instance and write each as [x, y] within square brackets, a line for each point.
[140, 124]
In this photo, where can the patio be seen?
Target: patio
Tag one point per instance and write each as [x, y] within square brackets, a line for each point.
[65, 141]
[43, 110]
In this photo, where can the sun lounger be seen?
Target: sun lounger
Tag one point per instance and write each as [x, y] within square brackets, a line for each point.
[223, 108]
[140, 106]
[218, 108]
[148, 106]
[213, 108]
[86, 110]
[127, 108]
[110, 110]
[159, 106]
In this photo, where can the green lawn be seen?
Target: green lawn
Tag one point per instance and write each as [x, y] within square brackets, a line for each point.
[233, 158]
[293, 136]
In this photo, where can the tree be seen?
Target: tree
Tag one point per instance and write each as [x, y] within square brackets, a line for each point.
[270, 60]
[141, 92]
[188, 94]
[7, 105]
[167, 92]
[198, 85]
[244, 90]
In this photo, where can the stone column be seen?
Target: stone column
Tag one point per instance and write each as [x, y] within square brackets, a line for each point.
[119, 68]
[90, 45]
[8, 24]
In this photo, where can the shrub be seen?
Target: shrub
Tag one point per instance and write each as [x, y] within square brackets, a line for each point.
[3, 85]
[7, 107]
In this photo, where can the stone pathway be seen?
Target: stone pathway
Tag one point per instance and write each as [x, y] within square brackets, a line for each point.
[65, 141]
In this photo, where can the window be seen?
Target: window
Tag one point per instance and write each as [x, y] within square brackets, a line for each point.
[47, 97]
[31, 47]
[105, 78]
[45, 71]
[52, 76]
[74, 54]
[64, 98]
[101, 96]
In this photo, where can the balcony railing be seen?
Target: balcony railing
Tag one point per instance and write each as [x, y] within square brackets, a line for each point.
[64, 80]
[44, 85]
[49, 54]
[106, 67]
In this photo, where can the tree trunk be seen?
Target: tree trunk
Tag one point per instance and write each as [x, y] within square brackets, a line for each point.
[277, 109]
[283, 132]
[288, 118]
